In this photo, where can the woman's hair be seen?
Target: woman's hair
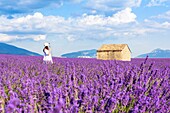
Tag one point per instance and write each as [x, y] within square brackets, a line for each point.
[46, 47]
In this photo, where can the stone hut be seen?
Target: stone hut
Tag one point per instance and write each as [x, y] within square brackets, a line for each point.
[114, 52]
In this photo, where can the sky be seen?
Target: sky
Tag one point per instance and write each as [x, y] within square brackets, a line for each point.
[75, 25]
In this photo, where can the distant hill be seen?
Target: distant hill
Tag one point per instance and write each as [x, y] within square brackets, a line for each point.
[9, 49]
[157, 53]
[81, 54]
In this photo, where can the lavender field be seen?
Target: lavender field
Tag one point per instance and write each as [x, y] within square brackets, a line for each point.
[27, 85]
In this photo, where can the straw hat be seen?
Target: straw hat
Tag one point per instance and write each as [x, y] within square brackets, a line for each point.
[46, 44]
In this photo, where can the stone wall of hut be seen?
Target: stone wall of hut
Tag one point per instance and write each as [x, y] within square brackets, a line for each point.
[109, 55]
[126, 54]
[114, 53]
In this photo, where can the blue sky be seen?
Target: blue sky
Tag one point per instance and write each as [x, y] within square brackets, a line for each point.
[74, 25]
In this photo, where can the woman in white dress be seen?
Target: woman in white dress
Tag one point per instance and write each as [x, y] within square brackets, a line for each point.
[47, 53]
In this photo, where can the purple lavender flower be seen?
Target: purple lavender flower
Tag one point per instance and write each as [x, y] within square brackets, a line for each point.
[10, 108]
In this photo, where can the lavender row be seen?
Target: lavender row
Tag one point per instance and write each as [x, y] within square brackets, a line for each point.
[27, 85]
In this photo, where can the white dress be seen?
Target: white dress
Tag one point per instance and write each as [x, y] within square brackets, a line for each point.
[47, 56]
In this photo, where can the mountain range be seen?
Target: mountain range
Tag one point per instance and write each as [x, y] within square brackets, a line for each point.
[10, 49]
[157, 53]
[81, 54]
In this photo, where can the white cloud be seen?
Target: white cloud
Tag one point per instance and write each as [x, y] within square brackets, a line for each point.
[165, 15]
[38, 23]
[112, 5]
[93, 12]
[99, 27]
[133, 3]
[24, 6]
[157, 26]
[38, 37]
[124, 16]
[157, 3]
[6, 38]
[121, 17]
[166, 25]
[70, 38]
